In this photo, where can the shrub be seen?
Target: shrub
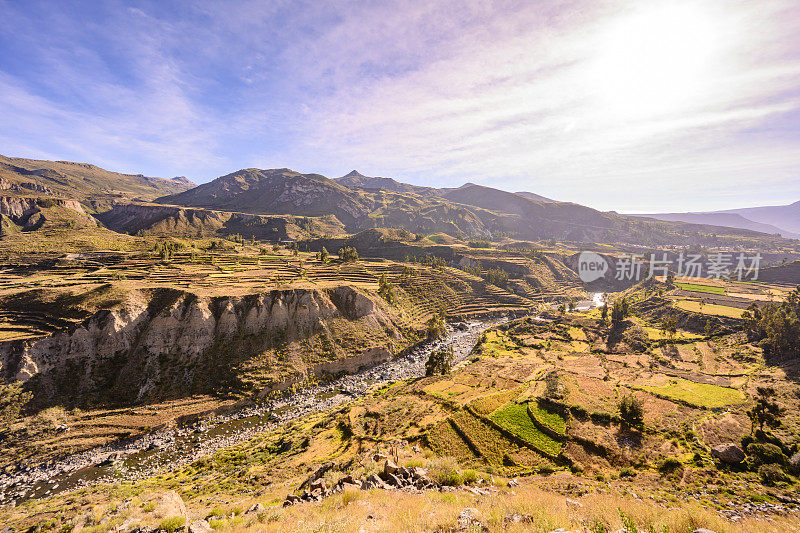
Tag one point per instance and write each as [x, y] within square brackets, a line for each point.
[631, 410]
[764, 453]
[669, 465]
[469, 476]
[496, 276]
[627, 472]
[579, 412]
[601, 417]
[771, 474]
[170, 525]
[445, 471]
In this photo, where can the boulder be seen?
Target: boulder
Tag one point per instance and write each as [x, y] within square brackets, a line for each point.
[200, 526]
[171, 504]
[374, 481]
[318, 485]
[394, 481]
[729, 453]
[389, 467]
[378, 457]
[470, 519]
[291, 499]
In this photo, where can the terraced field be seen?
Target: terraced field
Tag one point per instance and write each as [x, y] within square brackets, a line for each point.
[697, 394]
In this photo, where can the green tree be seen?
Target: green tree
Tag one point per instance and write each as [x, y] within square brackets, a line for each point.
[669, 326]
[12, 400]
[631, 410]
[386, 289]
[619, 312]
[440, 362]
[437, 327]
[348, 254]
[323, 255]
[766, 411]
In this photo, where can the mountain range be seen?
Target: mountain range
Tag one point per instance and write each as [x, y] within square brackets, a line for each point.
[360, 202]
[778, 219]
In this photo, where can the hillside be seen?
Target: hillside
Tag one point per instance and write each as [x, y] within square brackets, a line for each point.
[88, 183]
[163, 220]
[275, 192]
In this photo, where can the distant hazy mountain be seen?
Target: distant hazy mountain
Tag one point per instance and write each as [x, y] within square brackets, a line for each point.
[782, 216]
[783, 219]
[82, 181]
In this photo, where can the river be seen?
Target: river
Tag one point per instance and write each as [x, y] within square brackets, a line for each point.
[170, 448]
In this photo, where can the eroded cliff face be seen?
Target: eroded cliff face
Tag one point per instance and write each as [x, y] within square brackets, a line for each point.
[32, 213]
[167, 343]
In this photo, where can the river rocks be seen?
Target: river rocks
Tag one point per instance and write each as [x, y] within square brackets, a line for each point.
[200, 526]
[728, 453]
[470, 519]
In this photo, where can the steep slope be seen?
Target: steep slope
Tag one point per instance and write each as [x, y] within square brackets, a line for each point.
[88, 183]
[730, 220]
[275, 192]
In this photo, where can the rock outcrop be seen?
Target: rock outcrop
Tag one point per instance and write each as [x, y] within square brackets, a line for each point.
[167, 343]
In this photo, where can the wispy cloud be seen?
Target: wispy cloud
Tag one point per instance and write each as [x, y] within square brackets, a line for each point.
[601, 103]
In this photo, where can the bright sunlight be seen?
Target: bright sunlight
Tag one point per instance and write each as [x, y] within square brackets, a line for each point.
[657, 61]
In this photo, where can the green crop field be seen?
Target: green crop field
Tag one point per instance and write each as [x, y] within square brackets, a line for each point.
[711, 289]
[547, 418]
[513, 417]
[697, 394]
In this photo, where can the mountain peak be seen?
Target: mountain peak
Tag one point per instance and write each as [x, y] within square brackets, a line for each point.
[354, 174]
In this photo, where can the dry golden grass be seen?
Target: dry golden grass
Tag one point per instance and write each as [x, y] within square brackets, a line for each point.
[393, 511]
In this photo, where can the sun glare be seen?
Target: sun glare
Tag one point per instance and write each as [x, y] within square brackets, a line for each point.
[655, 62]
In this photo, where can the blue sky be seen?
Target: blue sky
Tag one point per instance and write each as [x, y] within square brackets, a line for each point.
[635, 106]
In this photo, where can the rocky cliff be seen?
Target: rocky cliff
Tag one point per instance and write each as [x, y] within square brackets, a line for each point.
[167, 343]
[31, 213]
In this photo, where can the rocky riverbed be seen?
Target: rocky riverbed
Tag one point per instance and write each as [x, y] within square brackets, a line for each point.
[172, 447]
